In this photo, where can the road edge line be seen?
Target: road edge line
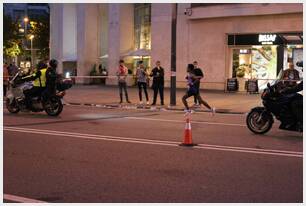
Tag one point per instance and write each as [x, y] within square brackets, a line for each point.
[20, 199]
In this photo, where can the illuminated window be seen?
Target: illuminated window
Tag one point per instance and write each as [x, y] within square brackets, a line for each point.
[142, 26]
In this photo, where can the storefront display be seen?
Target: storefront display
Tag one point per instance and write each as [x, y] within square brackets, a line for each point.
[263, 64]
[263, 56]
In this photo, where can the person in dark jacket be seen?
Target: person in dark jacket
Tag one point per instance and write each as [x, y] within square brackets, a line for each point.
[158, 74]
[199, 75]
[297, 103]
[51, 77]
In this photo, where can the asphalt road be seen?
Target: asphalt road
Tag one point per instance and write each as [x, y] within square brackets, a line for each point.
[91, 154]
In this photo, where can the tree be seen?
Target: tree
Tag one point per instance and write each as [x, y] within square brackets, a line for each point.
[40, 28]
[12, 42]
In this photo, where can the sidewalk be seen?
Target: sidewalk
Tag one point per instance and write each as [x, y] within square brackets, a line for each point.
[109, 96]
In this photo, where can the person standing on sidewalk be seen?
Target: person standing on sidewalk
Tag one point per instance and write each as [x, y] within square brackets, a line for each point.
[122, 74]
[199, 75]
[193, 90]
[158, 82]
[141, 75]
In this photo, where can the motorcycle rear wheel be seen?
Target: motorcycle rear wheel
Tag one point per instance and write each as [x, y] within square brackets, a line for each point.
[259, 122]
[53, 106]
[12, 107]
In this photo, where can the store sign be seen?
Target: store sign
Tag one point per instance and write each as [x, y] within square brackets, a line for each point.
[266, 38]
[260, 39]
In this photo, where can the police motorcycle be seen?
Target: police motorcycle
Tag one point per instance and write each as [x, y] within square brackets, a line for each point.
[260, 119]
[53, 105]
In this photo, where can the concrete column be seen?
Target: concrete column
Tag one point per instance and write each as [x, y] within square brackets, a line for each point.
[121, 35]
[56, 34]
[103, 31]
[161, 15]
[87, 39]
[114, 39]
[69, 32]
[126, 27]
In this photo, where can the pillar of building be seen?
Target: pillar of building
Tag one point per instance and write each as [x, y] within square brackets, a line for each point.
[69, 32]
[63, 34]
[161, 22]
[103, 34]
[120, 36]
[87, 39]
[56, 34]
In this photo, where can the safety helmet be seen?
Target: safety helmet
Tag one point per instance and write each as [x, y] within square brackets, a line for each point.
[53, 63]
[41, 65]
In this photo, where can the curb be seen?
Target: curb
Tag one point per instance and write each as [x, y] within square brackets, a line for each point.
[113, 106]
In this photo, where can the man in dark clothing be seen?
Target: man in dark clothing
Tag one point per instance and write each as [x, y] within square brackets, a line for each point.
[199, 75]
[51, 77]
[158, 82]
[297, 103]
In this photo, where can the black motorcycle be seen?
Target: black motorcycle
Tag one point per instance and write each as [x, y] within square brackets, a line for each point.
[260, 119]
[52, 105]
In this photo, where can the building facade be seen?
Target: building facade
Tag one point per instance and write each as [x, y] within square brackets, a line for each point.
[254, 40]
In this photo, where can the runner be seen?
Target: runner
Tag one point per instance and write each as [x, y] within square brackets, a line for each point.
[193, 90]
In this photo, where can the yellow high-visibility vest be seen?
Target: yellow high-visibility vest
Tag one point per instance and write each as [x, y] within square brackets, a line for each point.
[39, 81]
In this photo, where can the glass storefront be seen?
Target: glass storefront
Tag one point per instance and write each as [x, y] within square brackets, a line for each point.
[263, 56]
[255, 62]
[142, 31]
[142, 26]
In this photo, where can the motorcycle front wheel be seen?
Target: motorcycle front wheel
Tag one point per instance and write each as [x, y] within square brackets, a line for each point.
[12, 107]
[259, 122]
[53, 106]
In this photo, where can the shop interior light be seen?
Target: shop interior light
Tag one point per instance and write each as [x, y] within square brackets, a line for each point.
[241, 61]
[243, 51]
[67, 75]
[256, 47]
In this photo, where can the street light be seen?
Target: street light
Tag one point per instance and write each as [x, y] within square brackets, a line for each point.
[26, 20]
[31, 38]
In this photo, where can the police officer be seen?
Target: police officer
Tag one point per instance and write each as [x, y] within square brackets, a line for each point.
[51, 77]
[39, 83]
[297, 102]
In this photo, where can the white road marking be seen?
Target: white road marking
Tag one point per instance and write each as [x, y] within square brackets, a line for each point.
[19, 199]
[155, 142]
[179, 121]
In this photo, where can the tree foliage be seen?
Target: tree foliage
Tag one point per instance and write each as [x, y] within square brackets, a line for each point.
[16, 43]
[40, 28]
[12, 42]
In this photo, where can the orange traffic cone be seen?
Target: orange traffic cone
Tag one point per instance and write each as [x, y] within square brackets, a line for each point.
[188, 135]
